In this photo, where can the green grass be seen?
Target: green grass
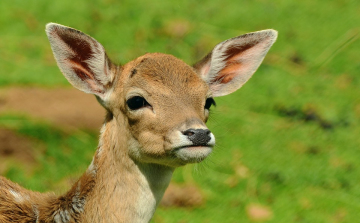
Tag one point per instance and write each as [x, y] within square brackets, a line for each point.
[294, 126]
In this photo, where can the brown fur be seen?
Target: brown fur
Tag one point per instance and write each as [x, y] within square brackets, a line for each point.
[138, 148]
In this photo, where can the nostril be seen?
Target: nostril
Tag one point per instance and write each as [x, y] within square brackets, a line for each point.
[189, 132]
[207, 131]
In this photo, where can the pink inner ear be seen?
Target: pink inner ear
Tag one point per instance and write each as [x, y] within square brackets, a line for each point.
[238, 62]
[234, 58]
[81, 72]
[205, 69]
[228, 73]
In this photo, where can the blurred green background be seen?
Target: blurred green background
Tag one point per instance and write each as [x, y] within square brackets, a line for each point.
[288, 141]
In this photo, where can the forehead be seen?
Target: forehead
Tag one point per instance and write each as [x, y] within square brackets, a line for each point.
[165, 73]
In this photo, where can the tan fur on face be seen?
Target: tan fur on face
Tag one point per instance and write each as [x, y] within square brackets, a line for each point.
[152, 130]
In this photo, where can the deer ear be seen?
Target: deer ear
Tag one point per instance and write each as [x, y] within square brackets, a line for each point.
[81, 59]
[232, 62]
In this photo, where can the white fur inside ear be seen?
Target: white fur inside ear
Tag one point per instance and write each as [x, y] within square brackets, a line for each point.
[234, 61]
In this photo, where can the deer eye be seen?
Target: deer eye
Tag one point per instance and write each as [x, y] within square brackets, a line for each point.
[137, 102]
[209, 102]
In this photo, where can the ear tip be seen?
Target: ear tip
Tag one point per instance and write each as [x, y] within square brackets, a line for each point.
[272, 33]
[51, 26]
[262, 35]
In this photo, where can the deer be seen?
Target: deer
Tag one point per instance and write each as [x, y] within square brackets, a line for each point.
[156, 107]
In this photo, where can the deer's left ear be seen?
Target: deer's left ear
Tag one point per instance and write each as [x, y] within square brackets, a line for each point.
[81, 59]
[232, 62]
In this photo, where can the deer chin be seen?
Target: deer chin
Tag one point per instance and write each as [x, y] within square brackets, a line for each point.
[192, 154]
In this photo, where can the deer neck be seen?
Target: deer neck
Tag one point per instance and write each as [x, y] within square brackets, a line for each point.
[115, 188]
[123, 190]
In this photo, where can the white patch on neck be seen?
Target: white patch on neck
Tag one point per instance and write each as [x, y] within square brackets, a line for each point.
[92, 169]
[101, 140]
[36, 212]
[154, 182]
[18, 197]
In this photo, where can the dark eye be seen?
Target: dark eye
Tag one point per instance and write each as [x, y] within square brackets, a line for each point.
[137, 102]
[209, 102]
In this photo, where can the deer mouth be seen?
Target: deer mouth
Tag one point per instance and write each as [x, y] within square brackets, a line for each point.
[193, 153]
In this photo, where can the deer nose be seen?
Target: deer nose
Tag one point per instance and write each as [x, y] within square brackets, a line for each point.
[199, 137]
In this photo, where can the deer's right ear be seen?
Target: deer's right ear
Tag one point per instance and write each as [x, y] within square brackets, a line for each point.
[81, 59]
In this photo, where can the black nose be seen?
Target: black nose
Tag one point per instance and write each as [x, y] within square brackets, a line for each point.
[199, 137]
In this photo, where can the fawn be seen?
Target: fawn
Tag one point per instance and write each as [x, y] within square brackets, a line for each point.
[157, 107]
